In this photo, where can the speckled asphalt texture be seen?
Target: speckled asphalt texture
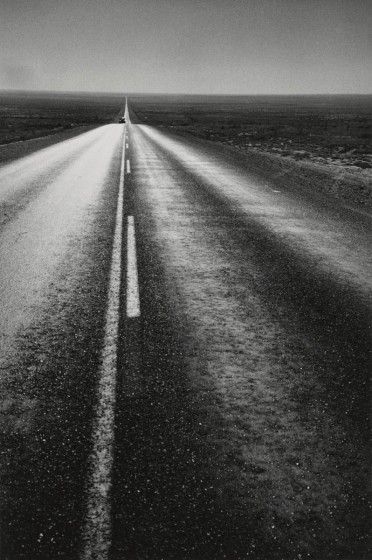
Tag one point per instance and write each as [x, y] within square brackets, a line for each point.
[242, 393]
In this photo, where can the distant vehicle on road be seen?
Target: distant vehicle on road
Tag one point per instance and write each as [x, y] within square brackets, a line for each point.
[122, 120]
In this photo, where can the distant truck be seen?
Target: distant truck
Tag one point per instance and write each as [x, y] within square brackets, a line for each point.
[122, 120]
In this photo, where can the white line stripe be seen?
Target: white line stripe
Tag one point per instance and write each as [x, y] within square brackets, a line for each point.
[97, 533]
[133, 302]
[128, 166]
[127, 145]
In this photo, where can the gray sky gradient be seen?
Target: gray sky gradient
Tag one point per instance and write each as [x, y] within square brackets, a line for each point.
[187, 46]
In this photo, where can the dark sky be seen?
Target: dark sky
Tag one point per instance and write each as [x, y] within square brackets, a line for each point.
[187, 46]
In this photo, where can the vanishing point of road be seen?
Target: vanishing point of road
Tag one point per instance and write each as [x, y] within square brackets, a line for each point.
[184, 356]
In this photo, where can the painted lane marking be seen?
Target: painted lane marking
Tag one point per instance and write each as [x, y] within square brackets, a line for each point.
[128, 166]
[133, 302]
[127, 145]
[97, 532]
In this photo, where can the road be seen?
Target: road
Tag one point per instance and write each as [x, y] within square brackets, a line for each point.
[184, 356]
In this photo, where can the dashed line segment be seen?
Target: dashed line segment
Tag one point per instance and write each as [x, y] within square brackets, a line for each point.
[133, 301]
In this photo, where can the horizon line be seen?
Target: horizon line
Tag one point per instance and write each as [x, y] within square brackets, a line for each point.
[141, 93]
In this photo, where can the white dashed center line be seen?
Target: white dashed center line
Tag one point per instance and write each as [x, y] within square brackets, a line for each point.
[133, 302]
[97, 532]
[128, 166]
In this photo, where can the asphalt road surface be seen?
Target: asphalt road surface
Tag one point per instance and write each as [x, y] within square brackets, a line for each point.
[184, 356]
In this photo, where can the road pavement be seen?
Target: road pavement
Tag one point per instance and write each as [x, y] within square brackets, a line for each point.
[184, 356]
